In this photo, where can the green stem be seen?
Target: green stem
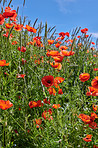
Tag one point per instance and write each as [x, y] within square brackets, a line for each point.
[3, 138]
[17, 123]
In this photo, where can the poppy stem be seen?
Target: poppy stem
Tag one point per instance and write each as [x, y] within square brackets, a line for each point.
[40, 82]
[17, 123]
[3, 138]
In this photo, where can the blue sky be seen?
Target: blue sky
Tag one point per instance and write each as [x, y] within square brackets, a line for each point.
[65, 14]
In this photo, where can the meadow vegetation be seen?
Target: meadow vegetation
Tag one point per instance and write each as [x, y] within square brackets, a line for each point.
[48, 85]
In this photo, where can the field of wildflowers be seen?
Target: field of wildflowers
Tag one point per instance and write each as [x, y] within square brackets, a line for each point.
[48, 85]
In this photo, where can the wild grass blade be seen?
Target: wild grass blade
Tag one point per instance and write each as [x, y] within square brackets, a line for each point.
[53, 34]
[29, 22]
[20, 20]
[9, 3]
[46, 30]
[24, 20]
[0, 1]
[1, 9]
[23, 3]
[49, 29]
[35, 22]
[17, 10]
[52, 28]
[40, 28]
[4, 2]
[10, 32]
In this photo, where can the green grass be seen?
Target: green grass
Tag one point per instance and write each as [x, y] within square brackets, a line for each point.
[66, 130]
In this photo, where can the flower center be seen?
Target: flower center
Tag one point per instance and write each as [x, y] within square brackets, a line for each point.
[49, 81]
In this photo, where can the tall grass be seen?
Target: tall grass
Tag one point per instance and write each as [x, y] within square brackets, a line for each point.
[21, 125]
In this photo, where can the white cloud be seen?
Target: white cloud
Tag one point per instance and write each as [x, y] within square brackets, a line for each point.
[94, 34]
[63, 5]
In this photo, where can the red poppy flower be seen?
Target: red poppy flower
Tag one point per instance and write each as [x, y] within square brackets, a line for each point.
[52, 91]
[71, 53]
[62, 37]
[58, 58]
[84, 77]
[92, 48]
[15, 130]
[20, 76]
[57, 38]
[23, 61]
[86, 36]
[54, 53]
[59, 66]
[2, 19]
[3, 63]
[37, 61]
[85, 118]
[80, 44]
[88, 138]
[93, 125]
[94, 82]
[14, 17]
[39, 43]
[37, 122]
[28, 130]
[94, 146]
[78, 36]
[14, 42]
[64, 53]
[67, 34]
[63, 48]
[88, 93]
[5, 104]
[58, 80]
[48, 53]
[95, 55]
[46, 101]
[50, 42]
[18, 27]
[57, 45]
[6, 73]
[6, 34]
[70, 41]
[95, 107]
[19, 109]
[54, 64]
[8, 26]
[62, 34]
[92, 91]
[47, 114]
[93, 43]
[31, 29]
[60, 91]
[56, 106]
[47, 80]
[95, 69]
[84, 30]
[10, 13]
[23, 49]
[93, 116]
[37, 38]
[35, 104]
[87, 51]
[95, 93]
